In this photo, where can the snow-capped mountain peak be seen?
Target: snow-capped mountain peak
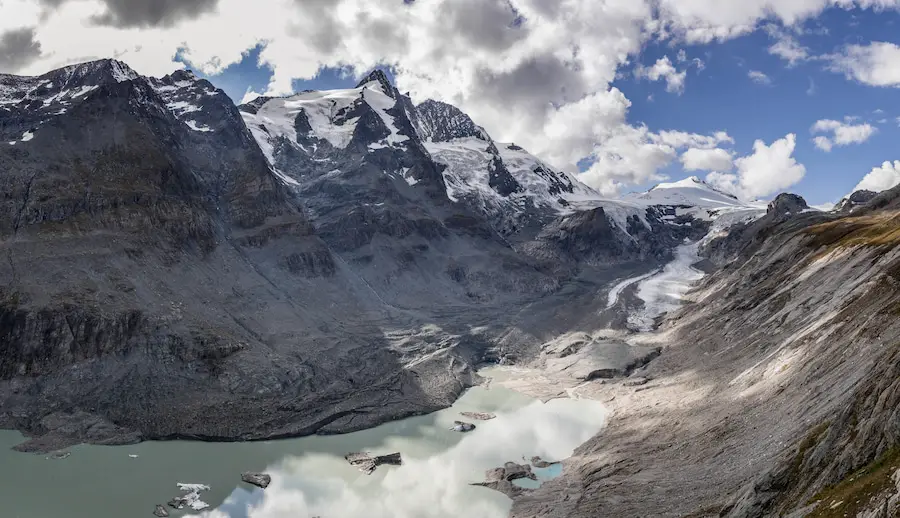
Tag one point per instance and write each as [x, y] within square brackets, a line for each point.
[691, 191]
[378, 76]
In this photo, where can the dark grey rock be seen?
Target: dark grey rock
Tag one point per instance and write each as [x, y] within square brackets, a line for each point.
[257, 479]
[854, 201]
[460, 426]
[786, 204]
[160, 511]
[442, 122]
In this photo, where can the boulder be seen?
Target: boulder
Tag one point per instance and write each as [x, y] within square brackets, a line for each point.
[261, 480]
[160, 511]
[460, 426]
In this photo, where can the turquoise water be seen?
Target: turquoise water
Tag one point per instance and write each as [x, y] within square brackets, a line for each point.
[309, 475]
[543, 475]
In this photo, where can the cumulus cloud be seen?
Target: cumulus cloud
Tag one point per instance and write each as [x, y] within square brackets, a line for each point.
[881, 178]
[702, 21]
[18, 48]
[875, 64]
[145, 13]
[716, 159]
[768, 170]
[759, 78]
[786, 46]
[665, 70]
[840, 133]
[633, 155]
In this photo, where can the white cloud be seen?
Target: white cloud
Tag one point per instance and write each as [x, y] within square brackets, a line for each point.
[769, 170]
[788, 49]
[841, 133]
[823, 143]
[717, 159]
[875, 64]
[881, 178]
[680, 139]
[702, 21]
[663, 69]
[759, 77]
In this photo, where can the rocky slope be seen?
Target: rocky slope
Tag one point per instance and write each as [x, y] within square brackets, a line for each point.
[177, 267]
[776, 393]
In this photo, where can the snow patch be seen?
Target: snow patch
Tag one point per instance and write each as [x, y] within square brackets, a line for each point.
[180, 108]
[379, 101]
[409, 179]
[197, 127]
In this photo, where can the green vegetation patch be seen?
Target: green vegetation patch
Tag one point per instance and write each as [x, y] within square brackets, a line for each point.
[854, 494]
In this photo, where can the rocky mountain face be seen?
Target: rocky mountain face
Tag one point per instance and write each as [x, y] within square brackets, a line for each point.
[777, 392]
[174, 266]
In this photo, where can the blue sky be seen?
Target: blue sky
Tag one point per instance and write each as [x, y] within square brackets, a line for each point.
[721, 96]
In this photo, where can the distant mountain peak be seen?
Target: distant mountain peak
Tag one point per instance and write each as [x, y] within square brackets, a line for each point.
[691, 182]
[113, 69]
[379, 76]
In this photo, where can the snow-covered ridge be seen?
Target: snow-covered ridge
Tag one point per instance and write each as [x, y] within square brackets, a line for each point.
[185, 95]
[329, 116]
[35, 100]
[694, 197]
[691, 191]
[62, 85]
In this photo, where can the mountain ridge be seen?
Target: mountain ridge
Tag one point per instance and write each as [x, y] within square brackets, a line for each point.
[287, 260]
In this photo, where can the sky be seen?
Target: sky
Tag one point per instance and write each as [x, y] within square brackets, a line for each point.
[756, 97]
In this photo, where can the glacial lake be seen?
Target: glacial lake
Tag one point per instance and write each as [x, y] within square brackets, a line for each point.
[310, 477]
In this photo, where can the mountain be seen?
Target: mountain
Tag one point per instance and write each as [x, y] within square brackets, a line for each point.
[177, 266]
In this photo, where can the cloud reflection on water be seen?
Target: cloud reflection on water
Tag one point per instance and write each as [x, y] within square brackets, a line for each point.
[433, 486]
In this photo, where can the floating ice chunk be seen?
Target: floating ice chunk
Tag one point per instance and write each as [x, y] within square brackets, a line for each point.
[191, 498]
